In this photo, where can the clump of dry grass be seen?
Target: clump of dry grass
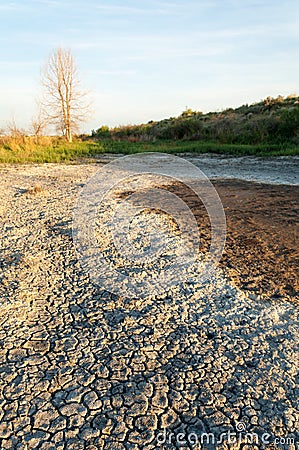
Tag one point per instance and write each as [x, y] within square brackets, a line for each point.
[35, 189]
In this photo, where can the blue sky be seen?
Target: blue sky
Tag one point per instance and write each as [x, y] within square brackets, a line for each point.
[149, 60]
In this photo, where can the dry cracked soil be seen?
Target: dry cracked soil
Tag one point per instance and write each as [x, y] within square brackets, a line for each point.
[82, 368]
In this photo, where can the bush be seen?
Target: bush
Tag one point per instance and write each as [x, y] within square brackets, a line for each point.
[102, 132]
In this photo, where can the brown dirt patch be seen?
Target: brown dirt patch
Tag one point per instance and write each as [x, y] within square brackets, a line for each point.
[262, 248]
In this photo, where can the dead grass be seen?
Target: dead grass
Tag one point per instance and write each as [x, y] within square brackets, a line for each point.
[35, 189]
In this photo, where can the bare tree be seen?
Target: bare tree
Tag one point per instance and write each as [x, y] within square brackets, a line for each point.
[38, 124]
[13, 130]
[64, 101]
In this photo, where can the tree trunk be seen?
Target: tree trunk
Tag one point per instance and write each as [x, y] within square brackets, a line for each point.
[69, 135]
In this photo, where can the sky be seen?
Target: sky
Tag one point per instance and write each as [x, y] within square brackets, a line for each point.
[149, 60]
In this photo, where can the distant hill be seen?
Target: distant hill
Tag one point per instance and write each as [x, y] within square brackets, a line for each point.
[270, 121]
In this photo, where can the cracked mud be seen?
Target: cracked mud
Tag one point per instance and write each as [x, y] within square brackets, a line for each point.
[81, 368]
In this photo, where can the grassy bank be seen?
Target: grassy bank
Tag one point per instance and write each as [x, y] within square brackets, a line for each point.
[45, 150]
[270, 121]
[199, 147]
[54, 150]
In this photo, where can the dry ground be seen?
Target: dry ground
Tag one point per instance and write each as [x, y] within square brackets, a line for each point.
[83, 369]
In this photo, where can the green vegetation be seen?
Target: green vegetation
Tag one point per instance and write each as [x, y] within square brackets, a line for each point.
[60, 151]
[196, 147]
[25, 149]
[267, 128]
[273, 121]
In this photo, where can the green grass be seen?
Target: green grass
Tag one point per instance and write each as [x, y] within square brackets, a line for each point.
[48, 153]
[53, 150]
[200, 147]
